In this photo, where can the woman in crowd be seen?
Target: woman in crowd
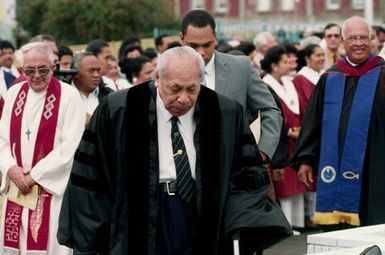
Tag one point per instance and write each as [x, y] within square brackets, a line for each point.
[137, 70]
[311, 61]
[292, 53]
[310, 65]
[114, 74]
[289, 190]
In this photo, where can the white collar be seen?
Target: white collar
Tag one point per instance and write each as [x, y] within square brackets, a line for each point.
[286, 91]
[210, 67]
[310, 74]
[350, 62]
[95, 92]
[6, 69]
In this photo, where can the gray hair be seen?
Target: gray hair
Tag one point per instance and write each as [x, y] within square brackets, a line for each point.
[309, 40]
[262, 39]
[79, 57]
[40, 47]
[344, 25]
[179, 52]
[42, 38]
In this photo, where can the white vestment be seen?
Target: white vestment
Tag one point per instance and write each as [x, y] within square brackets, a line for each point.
[51, 172]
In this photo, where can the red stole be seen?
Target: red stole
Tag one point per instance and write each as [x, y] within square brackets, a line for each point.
[353, 71]
[1, 105]
[38, 219]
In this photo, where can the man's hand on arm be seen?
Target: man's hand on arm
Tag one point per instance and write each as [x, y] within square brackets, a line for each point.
[16, 174]
[305, 174]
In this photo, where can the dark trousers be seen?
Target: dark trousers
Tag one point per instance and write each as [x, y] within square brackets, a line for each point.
[177, 220]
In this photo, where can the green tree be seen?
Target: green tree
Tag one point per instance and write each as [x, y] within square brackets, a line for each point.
[79, 21]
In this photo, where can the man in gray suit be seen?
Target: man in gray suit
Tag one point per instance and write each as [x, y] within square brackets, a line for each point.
[234, 77]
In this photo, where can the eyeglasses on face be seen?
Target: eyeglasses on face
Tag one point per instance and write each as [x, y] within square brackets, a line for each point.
[43, 71]
[333, 35]
[358, 38]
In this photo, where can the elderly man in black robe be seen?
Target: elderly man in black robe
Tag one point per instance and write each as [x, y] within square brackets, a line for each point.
[127, 192]
[342, 139]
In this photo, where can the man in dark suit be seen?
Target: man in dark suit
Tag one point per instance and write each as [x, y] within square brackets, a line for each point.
[7, 57]
[6, 77]
[234, 77]
[125, 193]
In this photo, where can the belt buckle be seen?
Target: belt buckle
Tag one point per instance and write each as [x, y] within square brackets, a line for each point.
[167, 183]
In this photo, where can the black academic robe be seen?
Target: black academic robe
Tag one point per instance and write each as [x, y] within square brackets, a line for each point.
[110, 205]
[372, 206]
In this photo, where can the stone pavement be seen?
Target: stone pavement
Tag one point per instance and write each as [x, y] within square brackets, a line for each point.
[294, 245]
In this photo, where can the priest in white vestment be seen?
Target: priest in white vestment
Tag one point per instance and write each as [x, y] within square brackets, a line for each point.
[40, 130]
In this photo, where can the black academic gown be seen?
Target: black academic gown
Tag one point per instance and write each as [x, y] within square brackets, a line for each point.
[110, 205]
[372, 205]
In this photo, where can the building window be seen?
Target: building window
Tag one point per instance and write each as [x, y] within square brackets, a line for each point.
[221, 6]
[333, 4]
[287, 5]
[198, 4]
[263, 5]
[358, 4]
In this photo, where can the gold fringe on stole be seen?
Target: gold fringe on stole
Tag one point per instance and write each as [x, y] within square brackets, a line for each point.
[336, 217]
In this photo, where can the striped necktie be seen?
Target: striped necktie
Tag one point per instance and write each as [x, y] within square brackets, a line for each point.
[184, 180]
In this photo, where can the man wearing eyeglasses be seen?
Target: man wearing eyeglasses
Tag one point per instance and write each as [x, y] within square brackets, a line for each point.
[332, 37]
[342, 139]
[40, 129]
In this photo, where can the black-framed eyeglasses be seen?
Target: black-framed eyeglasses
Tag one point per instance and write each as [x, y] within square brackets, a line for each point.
[43, 71]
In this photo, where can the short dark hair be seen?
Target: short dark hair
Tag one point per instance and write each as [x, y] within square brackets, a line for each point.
[246, 47]
[64, 50]
[174, 44]
[305, 52]
[130, 40]
[223, 47]
[290, 48]
[159, 40]
[330, 25]
[132, 66]
[96, 46]
[378, 29]
[4, 44]
[150, 53]
[197, 18]
[132, 47]
[273, 55]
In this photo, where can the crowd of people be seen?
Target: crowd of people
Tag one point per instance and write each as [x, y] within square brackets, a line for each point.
[152, 149]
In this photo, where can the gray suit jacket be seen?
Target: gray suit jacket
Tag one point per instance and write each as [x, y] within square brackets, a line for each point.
[235, 78]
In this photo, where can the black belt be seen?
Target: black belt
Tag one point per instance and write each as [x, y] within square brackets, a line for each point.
[168, 187]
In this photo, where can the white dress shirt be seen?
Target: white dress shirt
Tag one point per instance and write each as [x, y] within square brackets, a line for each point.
[91, 102]
[210, 73]
[186, 125]
[109, 83]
